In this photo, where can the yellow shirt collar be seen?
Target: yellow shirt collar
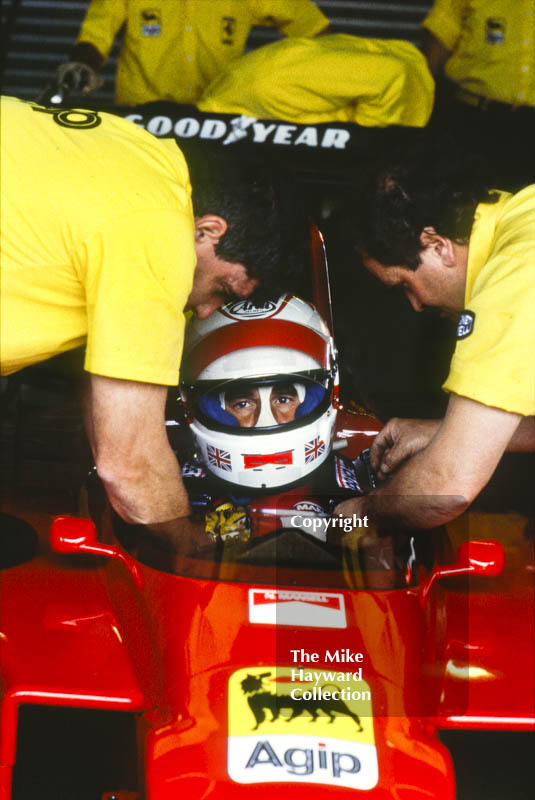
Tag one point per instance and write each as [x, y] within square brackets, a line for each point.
[481, 238]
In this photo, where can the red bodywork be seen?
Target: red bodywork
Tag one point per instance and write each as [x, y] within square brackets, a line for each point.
[108, 632]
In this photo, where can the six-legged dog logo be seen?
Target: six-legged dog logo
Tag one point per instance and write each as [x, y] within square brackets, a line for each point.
[260, 700]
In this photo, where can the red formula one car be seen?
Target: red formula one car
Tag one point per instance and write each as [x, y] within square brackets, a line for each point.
[288, 652]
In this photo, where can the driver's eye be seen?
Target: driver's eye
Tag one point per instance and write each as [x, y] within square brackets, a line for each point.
[240, 404]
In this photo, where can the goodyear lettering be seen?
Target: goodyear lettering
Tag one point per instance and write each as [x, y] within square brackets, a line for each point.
[213, 129]
[258, 132]
[309, 136]
[160, 126]
[284, 133]
[187, 128]
[261, 131]
[304, 761]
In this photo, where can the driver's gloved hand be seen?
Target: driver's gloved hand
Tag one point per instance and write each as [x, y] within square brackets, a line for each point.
[228, 521]
[78, 77]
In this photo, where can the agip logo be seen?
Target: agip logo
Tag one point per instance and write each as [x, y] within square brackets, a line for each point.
[270, 737]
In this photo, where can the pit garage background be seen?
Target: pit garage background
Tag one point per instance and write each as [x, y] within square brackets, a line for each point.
[38, 34]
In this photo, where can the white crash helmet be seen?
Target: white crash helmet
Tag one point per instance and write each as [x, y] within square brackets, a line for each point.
[282, 341]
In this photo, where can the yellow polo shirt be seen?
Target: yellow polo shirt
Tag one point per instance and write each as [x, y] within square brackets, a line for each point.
[372, 82]
[493, 361]
[492, 44]
[97, 243]
[172, 49]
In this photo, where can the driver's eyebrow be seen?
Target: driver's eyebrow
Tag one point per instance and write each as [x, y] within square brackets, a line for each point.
[286, 388]
[249, 393]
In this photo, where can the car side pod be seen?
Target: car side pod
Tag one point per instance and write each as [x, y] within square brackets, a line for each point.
[484, 557]
[71, 535]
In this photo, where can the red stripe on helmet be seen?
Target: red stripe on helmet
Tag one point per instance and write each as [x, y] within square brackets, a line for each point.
[262, 460]
[256, 333]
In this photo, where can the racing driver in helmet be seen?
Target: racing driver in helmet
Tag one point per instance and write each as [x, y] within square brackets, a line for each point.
[273, 447]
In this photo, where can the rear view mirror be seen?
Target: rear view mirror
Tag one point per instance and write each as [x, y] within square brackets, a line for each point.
[71, 535]
[482, 557]
[473, 558]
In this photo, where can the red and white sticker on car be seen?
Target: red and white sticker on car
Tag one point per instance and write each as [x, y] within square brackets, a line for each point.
[297, 608]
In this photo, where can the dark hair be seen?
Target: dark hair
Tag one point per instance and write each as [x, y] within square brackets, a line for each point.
[430, 187]
[241, 191]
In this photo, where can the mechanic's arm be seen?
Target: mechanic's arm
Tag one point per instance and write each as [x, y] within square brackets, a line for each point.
[440, 481]
[300, 18]
[402, 438]
[125, 422]
[436, 54]
[398, 440]
[80, 73]
[523, 439]
[102, 21]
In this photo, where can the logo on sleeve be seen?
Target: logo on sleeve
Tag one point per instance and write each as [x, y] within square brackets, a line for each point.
[495, 31]
[465, 326]
[228, 29]
[151, 22]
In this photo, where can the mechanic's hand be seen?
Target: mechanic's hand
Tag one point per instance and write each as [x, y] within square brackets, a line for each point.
[79, 77]
[400, 439]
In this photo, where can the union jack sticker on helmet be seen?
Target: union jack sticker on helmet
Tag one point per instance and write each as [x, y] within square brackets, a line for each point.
[219, 458]
[314, 449]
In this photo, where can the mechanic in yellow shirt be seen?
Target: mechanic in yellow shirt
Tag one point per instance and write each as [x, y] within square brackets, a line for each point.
[493, 360]
[372, 82]
[100, 245]
[172, 49]
[482, 54]
[485, 47]
[453, 245]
